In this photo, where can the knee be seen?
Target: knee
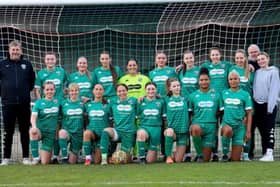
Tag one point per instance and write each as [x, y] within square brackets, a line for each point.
[169, 132]
[87, 135]
[227, 131]
[141, 135]
[195, 130]
[63, 133]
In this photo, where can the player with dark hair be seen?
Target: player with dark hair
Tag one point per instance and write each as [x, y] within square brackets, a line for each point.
[204, 105]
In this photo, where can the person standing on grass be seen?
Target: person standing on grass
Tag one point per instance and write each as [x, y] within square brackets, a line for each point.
[98, 117]
[177, 119]
[16, 82]
[44, 120]
[123, 110]
[237, 107]
[58, 76]
[188, 77]
[71, 132]
[204, 106]
[107, 75]
[218, 71]
[83, 78]
[253, 51]
[266, 90]
[150, 112]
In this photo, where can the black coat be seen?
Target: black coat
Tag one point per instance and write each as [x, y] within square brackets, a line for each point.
[16, 81]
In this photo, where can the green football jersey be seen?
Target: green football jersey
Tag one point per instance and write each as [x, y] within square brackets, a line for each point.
[57, 76]
[85, 83]
[72, 116]
[98, 116]
[245, 83]
[189, 81]
[159, 76]
[47, 112]
[177, 114]
[136, 84]
[123, 113]
[218, 74]
[235, 104]
[204, 106]
[150, 112]
[104, 77]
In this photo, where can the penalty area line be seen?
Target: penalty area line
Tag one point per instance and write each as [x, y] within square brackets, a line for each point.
[112, 183]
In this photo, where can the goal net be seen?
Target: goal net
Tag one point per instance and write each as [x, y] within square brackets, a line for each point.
[137, 30]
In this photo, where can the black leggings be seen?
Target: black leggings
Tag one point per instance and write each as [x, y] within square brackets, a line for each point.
[266, 124]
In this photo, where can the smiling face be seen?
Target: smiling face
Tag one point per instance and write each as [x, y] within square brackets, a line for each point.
[15, 52]
[215, 56]
[82, 64]
[73, 92]
[263, 60]
[98, 91]
[122, 92]
[240, 59]
[49, 90]
[204, 81]
[105, 60]
[188, 60]
[132, 67]
[233, 80]
[50, 61]
[151, 91]
[175, 88]
[253, 52]
[161, 60]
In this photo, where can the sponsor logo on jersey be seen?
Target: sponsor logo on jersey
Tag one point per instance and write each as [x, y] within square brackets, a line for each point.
[232, 101]
[206, 104]
[77, 111]
[58, 73]
[84, 85]
[124, 107]
[106, 79]
[134, 86]
[175, 104]
[243, 79]
[98, 113]
[217, 72]
[153, 112]
[51, 110]
[189, 80]
[55, 81]
[160, 78]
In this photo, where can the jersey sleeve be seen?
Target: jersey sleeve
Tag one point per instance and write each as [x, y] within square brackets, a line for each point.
[38, 81]
[36, 109]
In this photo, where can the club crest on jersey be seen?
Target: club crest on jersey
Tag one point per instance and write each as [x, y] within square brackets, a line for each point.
[58, 73]
[140, 79]
[23, 66]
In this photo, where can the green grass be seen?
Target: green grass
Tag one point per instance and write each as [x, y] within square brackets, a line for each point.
[185, 174]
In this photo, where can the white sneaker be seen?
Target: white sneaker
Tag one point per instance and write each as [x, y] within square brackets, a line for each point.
[35, 161]
[104, 162]
[267, 158]
[26, 161]
[246, 158]
[5, 162]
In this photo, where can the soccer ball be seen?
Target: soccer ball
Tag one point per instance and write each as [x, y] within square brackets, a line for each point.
[119, 157]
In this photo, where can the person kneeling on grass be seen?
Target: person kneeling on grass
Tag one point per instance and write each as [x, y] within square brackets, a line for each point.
[150, 112]
[204, 105]
[236, 104]
[123, 111]
[98, 117]
[72, 110]
[177, 122]
[44, 120]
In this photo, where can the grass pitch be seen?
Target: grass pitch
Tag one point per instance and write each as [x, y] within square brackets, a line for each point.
[153, 175]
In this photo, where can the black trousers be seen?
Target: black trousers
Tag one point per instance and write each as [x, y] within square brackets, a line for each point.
[11, 113]
[266, 124]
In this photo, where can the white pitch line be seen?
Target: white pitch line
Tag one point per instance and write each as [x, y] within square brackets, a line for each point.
[144, 182]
